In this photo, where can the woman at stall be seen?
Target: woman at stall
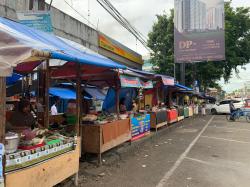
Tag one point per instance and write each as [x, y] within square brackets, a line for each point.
[123, 108]
[22, 118]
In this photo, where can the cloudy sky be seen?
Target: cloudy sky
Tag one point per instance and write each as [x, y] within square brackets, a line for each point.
[140, 13]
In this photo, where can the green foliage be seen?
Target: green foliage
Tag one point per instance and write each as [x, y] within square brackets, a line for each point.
[237, 38]
[161, 41]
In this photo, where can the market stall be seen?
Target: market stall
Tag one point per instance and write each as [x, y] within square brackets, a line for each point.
[172, 115]
[186, 111]
[191, 111]
[158, 119]
[180, 113]
[46, 154]
[108, 128]
[175, 100]
[140, 121]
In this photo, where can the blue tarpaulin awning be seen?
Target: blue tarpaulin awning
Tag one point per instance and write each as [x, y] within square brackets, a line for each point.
[13, 79]
[64, 93]
[95, 93]
[183, 87]
[20, 41]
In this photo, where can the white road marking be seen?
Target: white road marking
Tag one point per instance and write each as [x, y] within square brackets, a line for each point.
[224, 139]
[227, 165]
[167, 175]
[201, 161]
[230, 128]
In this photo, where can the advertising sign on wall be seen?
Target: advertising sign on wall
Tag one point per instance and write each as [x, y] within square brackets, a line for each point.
[39, 20]
[199, 30]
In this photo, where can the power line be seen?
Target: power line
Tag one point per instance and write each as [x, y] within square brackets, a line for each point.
[88, 21]
[123, 21]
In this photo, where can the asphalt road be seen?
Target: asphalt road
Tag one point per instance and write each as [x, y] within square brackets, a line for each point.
[200, 152]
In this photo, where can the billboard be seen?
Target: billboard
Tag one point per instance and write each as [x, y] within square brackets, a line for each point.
[199, 30]
[39, 20]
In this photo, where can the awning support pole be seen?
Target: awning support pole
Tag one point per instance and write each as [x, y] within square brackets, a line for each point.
[46, 95]
[2, 108]
[78, 98]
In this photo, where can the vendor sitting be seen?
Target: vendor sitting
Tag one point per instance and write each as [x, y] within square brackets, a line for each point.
[22, 118]
[123, 108]
[134, 106]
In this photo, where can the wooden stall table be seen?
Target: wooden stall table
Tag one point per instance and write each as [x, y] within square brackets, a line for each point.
[172, 115]
[47, 173]
[158, 119]
[103, 137]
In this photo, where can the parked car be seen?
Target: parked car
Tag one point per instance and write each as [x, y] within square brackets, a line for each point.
[223, 106]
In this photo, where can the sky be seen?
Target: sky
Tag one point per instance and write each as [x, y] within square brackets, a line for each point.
[141, 14]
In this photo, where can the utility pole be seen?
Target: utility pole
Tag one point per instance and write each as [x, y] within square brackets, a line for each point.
[183, 73]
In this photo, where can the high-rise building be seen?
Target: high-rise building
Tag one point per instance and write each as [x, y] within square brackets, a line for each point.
[190, 15]
[215, 18]
[194, 15]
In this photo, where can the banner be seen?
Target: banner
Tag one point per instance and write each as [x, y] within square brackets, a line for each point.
[39, 20]
[140, 126]
[130, 82]
[147, 84]
[134, 82]
[199, 30]
[168, 81]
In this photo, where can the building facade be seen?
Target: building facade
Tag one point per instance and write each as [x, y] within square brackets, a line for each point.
[72, 29]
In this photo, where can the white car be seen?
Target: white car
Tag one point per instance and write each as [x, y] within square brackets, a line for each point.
[223, 106]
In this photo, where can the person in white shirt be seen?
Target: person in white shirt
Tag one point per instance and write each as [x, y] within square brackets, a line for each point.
[54, 106]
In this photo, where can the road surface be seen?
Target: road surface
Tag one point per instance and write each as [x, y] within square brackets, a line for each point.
[200, 152]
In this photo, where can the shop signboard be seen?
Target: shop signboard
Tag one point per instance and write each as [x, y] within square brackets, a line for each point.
[39, 20]
[147, 84]
[116, 48]
[168, 81]
[140, 126]
[199, 30]
[130, 82]
[134, 82]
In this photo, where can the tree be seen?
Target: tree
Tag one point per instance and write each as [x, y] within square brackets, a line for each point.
[161, 41]
[237, 38]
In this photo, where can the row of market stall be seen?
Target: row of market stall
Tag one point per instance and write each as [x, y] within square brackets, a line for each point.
[104, 105]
